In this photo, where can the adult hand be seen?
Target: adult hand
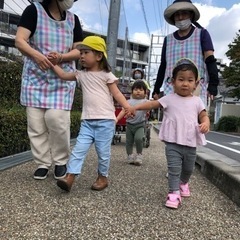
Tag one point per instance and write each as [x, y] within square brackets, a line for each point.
[43, 62]
[54, 57]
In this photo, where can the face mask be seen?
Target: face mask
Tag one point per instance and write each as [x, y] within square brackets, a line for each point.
[137, 75]
[184, 24]
[65, 4]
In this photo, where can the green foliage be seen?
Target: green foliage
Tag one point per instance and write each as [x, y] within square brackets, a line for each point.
[232, 72]
[13, 131]
[75, 123]
[10, 75]
[228, 124]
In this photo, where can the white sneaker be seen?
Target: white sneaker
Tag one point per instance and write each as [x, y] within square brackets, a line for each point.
[138, 161]
[130, 159]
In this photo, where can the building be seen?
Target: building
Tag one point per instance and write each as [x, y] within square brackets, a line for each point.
[129, 54]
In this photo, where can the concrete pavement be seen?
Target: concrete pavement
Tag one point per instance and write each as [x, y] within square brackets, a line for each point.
[132, 207]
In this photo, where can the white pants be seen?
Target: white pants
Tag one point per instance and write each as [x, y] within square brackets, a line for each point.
[49, 134]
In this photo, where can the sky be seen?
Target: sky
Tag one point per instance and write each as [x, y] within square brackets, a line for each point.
[220, 17]
[145, 17]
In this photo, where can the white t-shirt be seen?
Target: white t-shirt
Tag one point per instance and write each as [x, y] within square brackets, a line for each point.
[97, 99]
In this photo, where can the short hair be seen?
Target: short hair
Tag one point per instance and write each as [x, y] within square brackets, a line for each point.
[139, 84]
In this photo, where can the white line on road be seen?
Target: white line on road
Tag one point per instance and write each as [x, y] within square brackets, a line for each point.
[222, 146]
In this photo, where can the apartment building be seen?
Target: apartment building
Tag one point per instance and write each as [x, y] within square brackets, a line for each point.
[129, 54]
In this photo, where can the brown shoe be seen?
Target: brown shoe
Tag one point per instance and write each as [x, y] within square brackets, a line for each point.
[66, 182]
[100, 184]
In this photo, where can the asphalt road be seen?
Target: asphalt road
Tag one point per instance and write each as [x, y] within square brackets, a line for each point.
[226, 144]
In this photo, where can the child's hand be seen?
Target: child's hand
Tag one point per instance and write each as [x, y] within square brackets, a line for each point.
[54, 57]
[130, 112]
[204, 127]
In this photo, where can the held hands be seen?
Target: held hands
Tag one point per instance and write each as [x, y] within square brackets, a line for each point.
[55, 57]
[130, 112]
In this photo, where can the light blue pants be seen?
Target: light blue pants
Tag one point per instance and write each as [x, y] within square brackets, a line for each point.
[181, 162]
[99, 132]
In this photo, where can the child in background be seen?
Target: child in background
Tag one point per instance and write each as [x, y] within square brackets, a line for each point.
[98, 114]
[138, 74]
[184, 124]
[135, 126]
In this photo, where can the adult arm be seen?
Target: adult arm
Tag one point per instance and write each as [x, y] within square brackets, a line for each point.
[208, 52]
[161, 72]
[21, 42]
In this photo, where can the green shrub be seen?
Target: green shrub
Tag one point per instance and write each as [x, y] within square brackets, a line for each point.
[228, 124]
[13, 131]
[75, 123]
[10, 77]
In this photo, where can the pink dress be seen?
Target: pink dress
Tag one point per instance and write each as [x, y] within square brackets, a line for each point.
[180, 120]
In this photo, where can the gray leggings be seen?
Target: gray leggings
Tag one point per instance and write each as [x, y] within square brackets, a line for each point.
[134, 133]
[181, 162]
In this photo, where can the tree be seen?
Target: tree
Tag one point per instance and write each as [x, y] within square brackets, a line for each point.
[232, 72]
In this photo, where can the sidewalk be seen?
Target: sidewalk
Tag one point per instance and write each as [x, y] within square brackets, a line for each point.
[132, 207]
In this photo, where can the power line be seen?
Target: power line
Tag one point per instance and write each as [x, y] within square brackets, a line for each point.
[145, 17]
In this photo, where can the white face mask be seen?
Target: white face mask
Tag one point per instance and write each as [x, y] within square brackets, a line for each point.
[137, 75]
[65, 4]
[184, 24]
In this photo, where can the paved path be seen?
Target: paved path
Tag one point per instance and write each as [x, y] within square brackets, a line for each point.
[132, 207]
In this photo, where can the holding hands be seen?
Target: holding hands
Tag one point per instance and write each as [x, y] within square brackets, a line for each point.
[55, 57]
[130, 112]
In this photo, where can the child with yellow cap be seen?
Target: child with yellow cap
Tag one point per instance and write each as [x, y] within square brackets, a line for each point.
[99, 86]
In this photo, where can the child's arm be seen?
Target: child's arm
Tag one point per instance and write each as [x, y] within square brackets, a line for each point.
[119, 97]
[148, 105]
[204, 122]
[68, 76]
[120, 115]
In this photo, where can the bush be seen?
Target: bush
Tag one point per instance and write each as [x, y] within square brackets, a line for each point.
[10, 76]
[13, 131]
[228, 124]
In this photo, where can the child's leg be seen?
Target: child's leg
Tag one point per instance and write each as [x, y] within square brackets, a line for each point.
[174, 160]
[103, 135]
[84, 141]
[138, 139]
[129, 139]
[188, 164]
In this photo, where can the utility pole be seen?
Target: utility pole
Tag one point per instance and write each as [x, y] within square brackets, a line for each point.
[1, 4]
[125, 54]
[112, 34]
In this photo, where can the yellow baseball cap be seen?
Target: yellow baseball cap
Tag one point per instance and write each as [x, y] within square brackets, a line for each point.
[94, 43]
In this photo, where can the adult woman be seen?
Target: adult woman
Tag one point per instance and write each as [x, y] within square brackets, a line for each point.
[48, 100]
[187, 42]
